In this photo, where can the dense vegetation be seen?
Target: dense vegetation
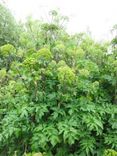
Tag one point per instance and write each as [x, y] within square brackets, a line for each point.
[58, 92]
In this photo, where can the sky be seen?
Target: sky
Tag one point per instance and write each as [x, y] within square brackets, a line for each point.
[97, 16]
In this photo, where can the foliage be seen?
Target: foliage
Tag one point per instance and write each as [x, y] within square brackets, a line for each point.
[58, 93]
[110, 152]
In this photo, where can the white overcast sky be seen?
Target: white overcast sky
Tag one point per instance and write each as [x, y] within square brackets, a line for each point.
[97, 15]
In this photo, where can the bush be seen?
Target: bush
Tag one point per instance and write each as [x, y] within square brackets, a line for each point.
[60, 98]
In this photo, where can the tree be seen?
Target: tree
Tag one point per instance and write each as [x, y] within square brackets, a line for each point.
[8, 27]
